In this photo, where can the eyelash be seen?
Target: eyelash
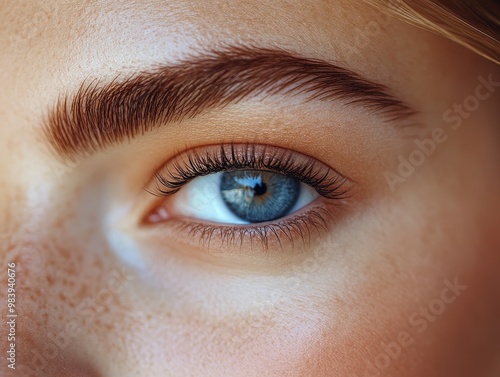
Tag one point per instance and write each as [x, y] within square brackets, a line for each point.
[201, 162]
[205, 163]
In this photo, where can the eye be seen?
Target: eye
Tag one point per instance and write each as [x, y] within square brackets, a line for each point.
[241, 193]
[242, 197]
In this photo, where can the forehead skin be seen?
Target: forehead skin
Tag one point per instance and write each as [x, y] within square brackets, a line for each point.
[397, 252]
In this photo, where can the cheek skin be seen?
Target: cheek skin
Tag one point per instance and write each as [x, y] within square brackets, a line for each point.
[53, 281]
[438, 226]
[56, 273]
[407, 274]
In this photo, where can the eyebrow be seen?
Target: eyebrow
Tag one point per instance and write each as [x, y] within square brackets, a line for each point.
[100, 115]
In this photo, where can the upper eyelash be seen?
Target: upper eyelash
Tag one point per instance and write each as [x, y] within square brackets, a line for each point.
[327, 183]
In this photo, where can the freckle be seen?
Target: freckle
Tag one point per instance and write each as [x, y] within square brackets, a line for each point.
[71, 269]
[83, 292]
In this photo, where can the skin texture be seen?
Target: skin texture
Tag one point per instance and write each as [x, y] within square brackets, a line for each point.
[98, 294]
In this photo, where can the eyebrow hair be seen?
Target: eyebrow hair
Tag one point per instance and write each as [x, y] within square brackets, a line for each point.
[100, 115]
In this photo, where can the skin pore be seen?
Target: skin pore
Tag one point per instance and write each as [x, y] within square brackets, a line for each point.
[400, 281]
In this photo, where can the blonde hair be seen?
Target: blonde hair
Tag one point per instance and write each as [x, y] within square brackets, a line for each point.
[473, 24]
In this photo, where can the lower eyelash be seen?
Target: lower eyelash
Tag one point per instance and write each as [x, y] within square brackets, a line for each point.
[284, 232]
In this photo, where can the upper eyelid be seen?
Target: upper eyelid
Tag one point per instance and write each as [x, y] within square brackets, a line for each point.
[326, 180]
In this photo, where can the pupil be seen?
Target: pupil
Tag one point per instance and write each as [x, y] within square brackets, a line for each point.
[260, 189]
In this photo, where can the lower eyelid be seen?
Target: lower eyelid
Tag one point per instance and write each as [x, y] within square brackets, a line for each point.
[292, 232]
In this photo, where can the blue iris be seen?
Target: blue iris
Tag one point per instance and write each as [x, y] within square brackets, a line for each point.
[258, 196]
